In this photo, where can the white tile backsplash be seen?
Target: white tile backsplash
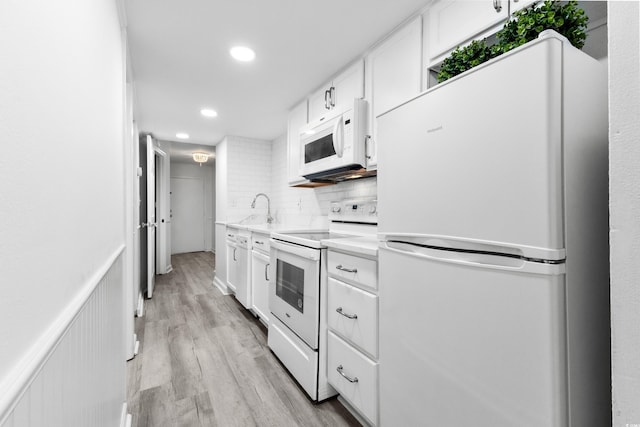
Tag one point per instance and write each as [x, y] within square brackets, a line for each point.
[308, 206]
[249, 173]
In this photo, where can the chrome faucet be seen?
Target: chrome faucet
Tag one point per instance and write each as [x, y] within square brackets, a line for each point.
[253, 205]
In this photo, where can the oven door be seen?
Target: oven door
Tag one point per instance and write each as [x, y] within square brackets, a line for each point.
[294, 289]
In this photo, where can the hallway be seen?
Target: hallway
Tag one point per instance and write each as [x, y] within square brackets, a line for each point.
[204, 361]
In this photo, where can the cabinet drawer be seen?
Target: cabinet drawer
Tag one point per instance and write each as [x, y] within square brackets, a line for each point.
[260, 242]
[345, 361]
[353, 269]
[353, 314]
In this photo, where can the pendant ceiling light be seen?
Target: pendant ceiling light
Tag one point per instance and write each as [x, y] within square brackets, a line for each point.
[200, 157]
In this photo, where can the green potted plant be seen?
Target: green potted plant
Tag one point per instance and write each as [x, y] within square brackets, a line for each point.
[565, 18]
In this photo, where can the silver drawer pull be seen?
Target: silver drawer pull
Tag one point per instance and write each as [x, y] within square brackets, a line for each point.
[348, 378]
[348, 316]
[258, 242]
[348, 270]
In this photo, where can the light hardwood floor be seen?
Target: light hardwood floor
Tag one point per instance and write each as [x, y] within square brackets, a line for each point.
[204, 361]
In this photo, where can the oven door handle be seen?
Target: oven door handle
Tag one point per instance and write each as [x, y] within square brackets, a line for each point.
[297, 250]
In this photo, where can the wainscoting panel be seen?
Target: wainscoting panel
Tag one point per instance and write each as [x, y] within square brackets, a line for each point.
[76, 374]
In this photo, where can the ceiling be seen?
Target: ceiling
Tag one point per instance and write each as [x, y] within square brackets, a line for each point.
[180, 59]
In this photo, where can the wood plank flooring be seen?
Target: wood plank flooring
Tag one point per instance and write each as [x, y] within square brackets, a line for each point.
[204, 361]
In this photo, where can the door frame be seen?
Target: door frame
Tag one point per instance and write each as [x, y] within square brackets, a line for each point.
[163, 263]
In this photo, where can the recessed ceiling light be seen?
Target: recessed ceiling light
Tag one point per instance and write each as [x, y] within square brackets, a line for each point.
[207, 112]
[182, 135]
[242, 53]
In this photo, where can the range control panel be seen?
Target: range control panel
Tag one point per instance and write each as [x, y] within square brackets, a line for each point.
[354, 210]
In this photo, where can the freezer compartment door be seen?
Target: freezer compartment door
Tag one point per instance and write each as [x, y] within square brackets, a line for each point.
[479, 157]
[470, 341]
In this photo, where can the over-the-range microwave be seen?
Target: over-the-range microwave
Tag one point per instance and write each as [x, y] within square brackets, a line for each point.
[333, 147]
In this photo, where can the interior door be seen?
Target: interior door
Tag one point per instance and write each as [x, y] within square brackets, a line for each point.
[187, 223]
[151, 216]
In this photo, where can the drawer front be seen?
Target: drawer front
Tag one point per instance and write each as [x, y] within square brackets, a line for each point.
[353, 269]
[353, 314]
[297, 356]
[345, 361]
[260, 242]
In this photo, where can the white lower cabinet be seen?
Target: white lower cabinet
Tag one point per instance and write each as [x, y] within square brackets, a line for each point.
[352, 319]
[260, 285]
[354, 376]
[260, 274]
[353, 313]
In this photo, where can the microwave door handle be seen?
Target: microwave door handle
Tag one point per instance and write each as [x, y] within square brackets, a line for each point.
[337, 138]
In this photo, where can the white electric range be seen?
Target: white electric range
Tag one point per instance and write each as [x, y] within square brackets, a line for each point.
[298, 292]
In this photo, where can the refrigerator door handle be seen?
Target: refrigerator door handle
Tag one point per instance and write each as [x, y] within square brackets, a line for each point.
[475, 245]
[478, 260]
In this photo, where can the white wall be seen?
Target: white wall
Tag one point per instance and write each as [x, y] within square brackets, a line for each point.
[61, 178]
[207, 175]
[301, 206]
[624, 205]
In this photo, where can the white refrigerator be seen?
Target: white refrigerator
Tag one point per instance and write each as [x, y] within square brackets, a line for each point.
[493, 262]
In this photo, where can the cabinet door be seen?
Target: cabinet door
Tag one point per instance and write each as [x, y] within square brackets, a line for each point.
[348, 85]
[520, 4]
[260, 285]
[232, 270]
[454, 23]
[317, 104]
[394, 73]
[297, 119]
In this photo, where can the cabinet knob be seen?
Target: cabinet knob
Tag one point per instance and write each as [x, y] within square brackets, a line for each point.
[497, 5]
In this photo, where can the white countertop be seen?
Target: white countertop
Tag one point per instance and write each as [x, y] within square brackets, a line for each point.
[367, 245]
[358, 245]
[270, 228]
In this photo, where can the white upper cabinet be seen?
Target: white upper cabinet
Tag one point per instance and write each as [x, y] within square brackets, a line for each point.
[454, 23]
[346, 86]
[520, 4]
[297, 119]
[393, 75]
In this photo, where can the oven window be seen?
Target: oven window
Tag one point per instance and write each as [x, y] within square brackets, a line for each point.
[290, 285]
[319, 149]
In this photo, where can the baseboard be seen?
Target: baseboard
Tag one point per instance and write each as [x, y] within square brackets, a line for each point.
[221, 286]
[125, 418]
[140, 309]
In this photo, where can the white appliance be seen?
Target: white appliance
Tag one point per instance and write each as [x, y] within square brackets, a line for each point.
[334, 145]
[494, 286]
[298, 293]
